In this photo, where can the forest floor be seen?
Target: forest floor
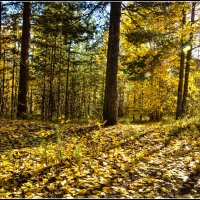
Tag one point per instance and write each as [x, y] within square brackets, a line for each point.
[154, 160]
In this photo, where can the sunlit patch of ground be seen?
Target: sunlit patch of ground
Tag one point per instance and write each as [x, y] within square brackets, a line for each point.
[41, 160]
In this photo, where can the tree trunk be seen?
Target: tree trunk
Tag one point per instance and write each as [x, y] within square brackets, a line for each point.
[13, 73]
[187, 69]
[43, 110]
[0, 50]
[67, 85]
[12, 88]
[23, 81]
[16, 85]
[110, 109]
[59, 89]
[181, 74]
[31, 101]
[51, 96]
[3, 83]
[43, 115]
[51, 84]
[121, 99]
[73, 93]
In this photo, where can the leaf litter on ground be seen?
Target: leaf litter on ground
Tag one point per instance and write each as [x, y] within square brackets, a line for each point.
[39, 160]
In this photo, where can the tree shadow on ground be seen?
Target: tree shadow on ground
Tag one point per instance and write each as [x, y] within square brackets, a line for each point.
[18, 136]
[190, 184]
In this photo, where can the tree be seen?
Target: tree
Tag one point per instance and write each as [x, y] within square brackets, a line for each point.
[187, 68]
[64, 29]
[23, 81]
[183, 89]
[110, 109]
[181, 73]
[147, 59]
[1, 9]
[67, 62]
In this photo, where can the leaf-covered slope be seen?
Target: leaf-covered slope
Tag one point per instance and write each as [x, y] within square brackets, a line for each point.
[40, 160]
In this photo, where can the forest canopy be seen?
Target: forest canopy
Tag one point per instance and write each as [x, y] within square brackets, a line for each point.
[157, 70]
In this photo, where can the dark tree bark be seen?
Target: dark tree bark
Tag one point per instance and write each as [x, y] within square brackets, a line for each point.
[16, 86]
[24, 69]
[67, 85]
[3, 83]
[1, 93]
[58, 110]
[1, 9]
[43, 97]
[73, 93]
[180, 86]
[187, 69]
[121, 99]
[31, 101]
[51, 85]
[181, 74]
[43, 107]
[110, 109]
[12, 88]
[13, 74]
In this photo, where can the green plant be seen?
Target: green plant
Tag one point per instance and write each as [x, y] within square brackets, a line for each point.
[78, 153]
[99, 125]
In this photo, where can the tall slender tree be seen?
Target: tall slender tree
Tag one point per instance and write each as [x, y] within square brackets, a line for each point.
[1, 9]
[184, 71]
[187, 68]
[110, 109]
[24, 68]
[67, 85]
[1, 95]
[181, 72]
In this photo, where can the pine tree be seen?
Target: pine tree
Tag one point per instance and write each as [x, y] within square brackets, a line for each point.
[110, 109]
[23, 82]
